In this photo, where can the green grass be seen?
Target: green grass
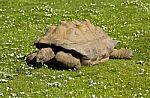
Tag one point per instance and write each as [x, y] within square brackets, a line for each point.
[22, 21]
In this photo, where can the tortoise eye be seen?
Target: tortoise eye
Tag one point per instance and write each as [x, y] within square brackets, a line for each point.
[40, 58]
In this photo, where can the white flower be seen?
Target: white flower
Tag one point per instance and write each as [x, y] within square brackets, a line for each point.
[22, 93]
[1, 94]
[93, 96]
[70, 92]
[12, 54]
[3, 80]
[54, 84]
[70, 78]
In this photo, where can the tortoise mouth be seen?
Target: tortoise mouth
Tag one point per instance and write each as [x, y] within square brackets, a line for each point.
[59, 48]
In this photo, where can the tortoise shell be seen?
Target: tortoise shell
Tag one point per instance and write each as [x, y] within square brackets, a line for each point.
[80, 36]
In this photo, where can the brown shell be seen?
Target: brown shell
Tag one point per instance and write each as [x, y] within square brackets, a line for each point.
[81, 36]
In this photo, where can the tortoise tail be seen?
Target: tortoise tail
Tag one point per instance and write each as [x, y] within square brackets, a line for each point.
[121, 54]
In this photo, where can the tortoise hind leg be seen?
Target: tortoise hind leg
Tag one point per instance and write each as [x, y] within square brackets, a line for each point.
[94, 61]
[67, 60]
[121, 54]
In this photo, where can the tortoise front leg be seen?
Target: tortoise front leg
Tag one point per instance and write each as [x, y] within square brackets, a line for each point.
[44, 55]
[121, 54]
[68, 60]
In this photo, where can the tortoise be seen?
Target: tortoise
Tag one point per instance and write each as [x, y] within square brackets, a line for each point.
[75, 43]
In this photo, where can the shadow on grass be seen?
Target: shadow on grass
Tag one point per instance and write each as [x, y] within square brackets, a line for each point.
[52, 64]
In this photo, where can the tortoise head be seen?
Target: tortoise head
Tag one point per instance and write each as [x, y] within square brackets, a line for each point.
[40, 59]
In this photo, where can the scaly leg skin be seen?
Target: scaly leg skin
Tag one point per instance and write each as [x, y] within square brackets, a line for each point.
[44, 55]
[68, 60]
[95, 61]
[121, 54]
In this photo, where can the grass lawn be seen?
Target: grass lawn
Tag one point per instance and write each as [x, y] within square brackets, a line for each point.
[22, 21]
